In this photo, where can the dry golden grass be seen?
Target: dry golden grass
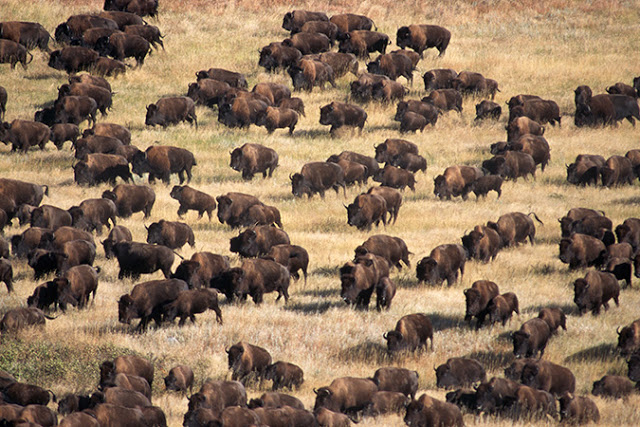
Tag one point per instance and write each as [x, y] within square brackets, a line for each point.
[547, 48]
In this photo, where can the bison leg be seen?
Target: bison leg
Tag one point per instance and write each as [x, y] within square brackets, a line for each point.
[218, 312]
[180, 177]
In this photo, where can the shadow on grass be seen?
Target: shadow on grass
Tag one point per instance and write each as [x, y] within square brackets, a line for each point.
[442, 322]
[605, 352]
[326, 271]
[321, 293]
[627, 201]
[43, 76]
[368, 351]
[316, 307]
[568, 309]
[492, 360]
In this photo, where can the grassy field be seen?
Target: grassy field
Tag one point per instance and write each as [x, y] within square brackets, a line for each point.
[545, 48]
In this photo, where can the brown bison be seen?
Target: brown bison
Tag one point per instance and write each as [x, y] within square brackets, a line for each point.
[293, 257]
[98, 168]
[101, 95]
[423, 37]
[629, 338]
[399, 380]
[121, 45]
[234, 207]
[456, 181]
[547, 376]
[19, 318]
[167, 111]
[191, 302]
[395, 177]
[73, 59]
[445, 99]
[276, 55]
[278, 118]
[233, 79]
[61, 132]
[595, 290]
[366, 210]
[180, 378]
[258, 240]
[443, 263]
[515, 227]
[578, 409]
[477, 298]
[581, 250]
[171, 234]
[554, 317]
[482, 243]
[540, 110]
[246, 360]
[345, 394]
[585, 170]
[136, 258]
[488, 110]
[428, 411]
[118, 233]
[392, 148]
[460, 372]
[23, 134]
[201, 268]
[76, 109]
[208, 92]
[338, 114]
[161, 161]
[309, 73]
[131, 198]
[393, 249]
[294, 20]
[254, 158]
[28, 34]
[393, 199]
[614, 386]
[357, 283]
[531, 338]
[350, 21]
[522, 126]
[392, 65]
[147, 301]
[317, 177]
[130, 365]
[284, 375]
[308, 43]
[192, 199]
[150, 33]
[424, 109]
[362, 42]
[411, 333]
[511, 165]
[439, 79]
[618, 170]
[340, 63]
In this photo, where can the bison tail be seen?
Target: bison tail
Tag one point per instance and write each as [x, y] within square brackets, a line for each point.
[536, 217]
[179, 256]
[53, 396]
[46, 190]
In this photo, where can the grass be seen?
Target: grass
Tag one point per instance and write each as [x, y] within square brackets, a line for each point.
[546, 48]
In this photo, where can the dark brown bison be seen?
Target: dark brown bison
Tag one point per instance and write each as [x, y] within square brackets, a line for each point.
[496, 394]
[581, 250]
[191, 302]
[614, 386]
[439, 79]
[121, 45]
[208, 92]
[12, 52]
[327, 418]
[278, 118]
[97, 144]
[515, 228]
[130, 365]
[98, 168]
[317, 177]
[173, 110]
[423, 37]
[483, 185]
[295, 104]
[385, 291]
[73, 59]
[629, 338]
[28, 34]
[386, 402]
[362, 89]
[6, 274]
[578, 409]
[201, 268]
[460, 372]
[69, 254]
[275, 56]
[119, 233]
[633, 367]
[412, 122]
[241, 112]
[540, 110]
[254, 278]
[309, 73]
[585, 170]
[392, 148]
[398, 380]
[477, 299]
[357, 283]
[110, 129]
[293, 257]
[482, 243]
[23, 134]
[629, 232]
[308, 43]
[150, 33]
[294, 20]
[345, 394]
[147, 301]
[136, 258]
[536, 146]
[93, 214]
[427, 411]
[131, 198]
[108, 67]
[258, 240]
[254, 158]
[443, 263]
[522, 126]
[388, 91]
[233, 208]
[284, 375]
[31, 238]
[19, 318]
[349, 22]
[531, 338]
[76, 109]
[456, 181]
[338, 114]
[192, 199]
[368, 162]
[488, 110]
[392, 249]
[547, 376]
[171, 234]
[340, 63]
[362, 42]
[246, 360]
[393, 198]
[511, 165]
[595, 290]
[395, 177]
[354, 172]
[554, 317]
[392, 65]
[445, 99]
[622, 89]
[99, 94]
[472, 83]
[61, 132]
[424, 109]
[411, 333]
[180, 378]
[24, 394]
[618, 170]
[231, 78]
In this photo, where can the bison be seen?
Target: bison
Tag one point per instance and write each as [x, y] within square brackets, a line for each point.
[338, 114]
[284, 375]
[136, 258]
[531, 338]
[345, 394]
[422, 37]
[460, 372]
[171, 110]
[247, 359]
[443, 263]
[477, 298]
[131, 198]
[581, 250]
[411, 333]
[456, 181]
[254, 158]
[171, 234]
[192, 199]
[595, 290]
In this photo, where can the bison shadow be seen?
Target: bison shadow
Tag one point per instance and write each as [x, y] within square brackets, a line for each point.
[547, 269]
[316, 307]
[322, 293]
[568, 309]
[605, 352]
[326, 271]
[442, 322]
[627, 201]
[43, 76]
[312, 133]
[368, 351]
[492, 360]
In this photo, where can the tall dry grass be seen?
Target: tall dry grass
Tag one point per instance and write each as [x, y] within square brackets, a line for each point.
[546, 48]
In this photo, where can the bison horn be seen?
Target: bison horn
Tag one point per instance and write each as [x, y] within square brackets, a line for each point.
[434, 368]
[315, 390]
[345, 206]
[385, 335]
[618, 330]
[291, 177]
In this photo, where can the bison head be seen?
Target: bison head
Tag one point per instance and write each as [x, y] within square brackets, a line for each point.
[82, 174]
[245, 244]
[499, 147]
[565, 401]
[140, 163]
[326, 114]
[267, 59]
[228, 282]
[496, 165]
[64, 90]
[470, 242]
[583, 96]
[403, 37]
[298, 79]
[521, 343]
[154, 233]
[374, 66]
[176, 192]
[581, 295]
[529, 374]
[44, 262]
[46, 116]
[324, 399]
[486, 397]
[287, 21]
[299, 185]
[599, 388]
[62, 34]
[153, 116]
[224, 208]
[126, 310]
[236, 160]
[473, 302]
[445, 378]
[427, 270]
[356, 217]
[566, 251]
[187, 271]
[78, 219]
[441, 188]
[202, 75]
[514, 371]
[234, 354]
[628, 339]
[381, 153]
[395, 341]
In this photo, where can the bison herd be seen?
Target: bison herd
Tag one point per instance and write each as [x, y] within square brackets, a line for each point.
[61, 241]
